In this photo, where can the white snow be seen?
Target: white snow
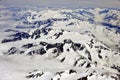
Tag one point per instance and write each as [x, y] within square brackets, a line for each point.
[18, 66]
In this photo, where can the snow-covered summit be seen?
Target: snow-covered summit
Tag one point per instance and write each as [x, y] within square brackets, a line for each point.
[78, 44]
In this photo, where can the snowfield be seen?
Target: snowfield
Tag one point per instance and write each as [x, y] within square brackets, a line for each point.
[59, 44]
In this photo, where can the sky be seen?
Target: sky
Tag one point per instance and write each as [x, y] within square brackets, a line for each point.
[62, 3]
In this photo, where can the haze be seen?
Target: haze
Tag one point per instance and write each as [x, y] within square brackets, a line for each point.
[62, 3]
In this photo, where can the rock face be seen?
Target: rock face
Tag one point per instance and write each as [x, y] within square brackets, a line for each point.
[11, 51]
[81, 56]
[83, 78]
[59, 47]
[16, 37]
[66, 75]
[68, 52]
[29, 45]
[35, 74]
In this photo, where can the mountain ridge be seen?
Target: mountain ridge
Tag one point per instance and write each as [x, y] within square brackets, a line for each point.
[61, 44]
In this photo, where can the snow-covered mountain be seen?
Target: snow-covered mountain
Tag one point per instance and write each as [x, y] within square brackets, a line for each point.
[60, 44]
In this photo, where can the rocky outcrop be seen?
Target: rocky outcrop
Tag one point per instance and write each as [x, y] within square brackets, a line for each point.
[12, 51]
[16, 37]
[34, 74]
[29, 45]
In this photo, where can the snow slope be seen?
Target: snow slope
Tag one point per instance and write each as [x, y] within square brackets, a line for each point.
[81, 44]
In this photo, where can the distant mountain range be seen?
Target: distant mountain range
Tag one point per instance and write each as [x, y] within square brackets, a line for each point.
[81, 38]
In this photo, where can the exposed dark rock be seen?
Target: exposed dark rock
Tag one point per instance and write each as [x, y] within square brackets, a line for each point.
[45, 30]
[92, 41]
[115, 53]
[68, 50]
[22, 35]
[99, 51]
[82, 64]
[49, 29]
[43, 43]
[75, 63]
[116, 67]
[30, 76]
[83, 78]
[52, 79]
[59, 47]
[29, 45]
[55, 51]
[95, 63]
[11, 40]
[88, 54]
[57, 35]
[90, 45]
[12, 50]
[91, 74]
[34, 74]
[7, 40]
[33, 71]
[99, 56]
[72, 71]
[21, 52]
[59, 73]
[49, 22]
[10, 30]
[31, 53]
[101, 47]
[76, 46]
[115, 78]
[102, 74]
[81, 48]
[50, 46]
[68, 41]
[36, 34]
[58, 79]
[17, 36]
[93, 35]
[70, 24]
[88, 65]
[41, 51]
[62, 59]
[38, 75]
